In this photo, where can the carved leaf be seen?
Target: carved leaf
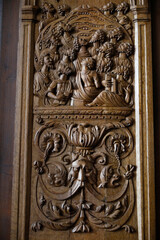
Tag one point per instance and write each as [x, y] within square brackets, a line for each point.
[99, 208]
[115, 214]
[86, 205]
[118, 205]
[42, 201]
[128, 228]
[37, 226]
[95, 220]
[81, 227]
[125, 201]
[109, 209]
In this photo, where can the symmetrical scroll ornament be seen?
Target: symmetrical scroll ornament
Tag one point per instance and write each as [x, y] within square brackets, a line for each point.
[83, 62]
[94, 168]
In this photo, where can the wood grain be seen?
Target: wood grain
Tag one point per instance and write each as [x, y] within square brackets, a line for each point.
[155, 7]
[7, 109]
[8, 72]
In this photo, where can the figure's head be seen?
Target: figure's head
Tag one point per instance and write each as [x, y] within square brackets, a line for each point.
[123, 7]
[98, 36]
[107, 48]
[109, 7]
[126, 48]
[46, 59]
[88, 62]
[48, 7]
[82, 41]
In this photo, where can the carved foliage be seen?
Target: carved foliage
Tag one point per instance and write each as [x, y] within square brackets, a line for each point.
[91, 167]
[83, 60]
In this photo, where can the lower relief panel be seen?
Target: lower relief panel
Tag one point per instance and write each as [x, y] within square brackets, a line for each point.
[83, 179]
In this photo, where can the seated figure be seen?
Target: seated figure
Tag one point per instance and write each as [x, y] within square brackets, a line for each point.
[60, 89]
[106, 97]
[87, 82]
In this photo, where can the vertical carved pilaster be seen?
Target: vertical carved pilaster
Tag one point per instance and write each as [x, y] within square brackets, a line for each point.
[144, 121]
[24, 115]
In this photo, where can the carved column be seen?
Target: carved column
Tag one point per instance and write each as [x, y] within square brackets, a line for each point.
[24, 100]
[144, 120]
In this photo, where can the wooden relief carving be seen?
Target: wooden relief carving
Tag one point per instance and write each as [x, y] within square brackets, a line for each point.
[84, 61]
[85, 57]
[84, 154]
[84, 163]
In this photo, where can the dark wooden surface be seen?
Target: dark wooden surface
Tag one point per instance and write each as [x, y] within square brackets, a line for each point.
[155, 4]
[7, 109]
[8, 60]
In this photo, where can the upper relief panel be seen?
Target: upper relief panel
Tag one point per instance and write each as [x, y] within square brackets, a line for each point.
[84, 57]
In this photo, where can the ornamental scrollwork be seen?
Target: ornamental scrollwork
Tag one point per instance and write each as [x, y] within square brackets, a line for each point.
[83, 132]
[91, 169]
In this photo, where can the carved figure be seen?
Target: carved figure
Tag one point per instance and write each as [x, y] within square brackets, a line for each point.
[82, 170]
[48, 15]
[123, 71]
[63, 9]
[125, 49]
[53, 43]
[64, 32]
[97, 39]
[104, 57]
[108, 9]
[115, 35]
[85, 61]
[51, 144]
[107, 97]
[60, 89]
[42, 78]
[108, 177]
[88, 83]
[58, 176]
[80, 45]
[124, 20]
[124, 89]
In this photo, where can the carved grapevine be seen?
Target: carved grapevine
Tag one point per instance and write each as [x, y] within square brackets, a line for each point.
[85, 57]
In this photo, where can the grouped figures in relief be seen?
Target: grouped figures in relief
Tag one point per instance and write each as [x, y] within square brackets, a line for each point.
[83, 58]
[60, 88]
[90, 61]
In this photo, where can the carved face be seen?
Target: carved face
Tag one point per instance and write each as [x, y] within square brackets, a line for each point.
[48, 61]
[83, 42]
[56, 180]
[82, 169]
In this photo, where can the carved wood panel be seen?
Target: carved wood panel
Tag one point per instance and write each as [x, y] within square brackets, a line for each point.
[80, 169]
